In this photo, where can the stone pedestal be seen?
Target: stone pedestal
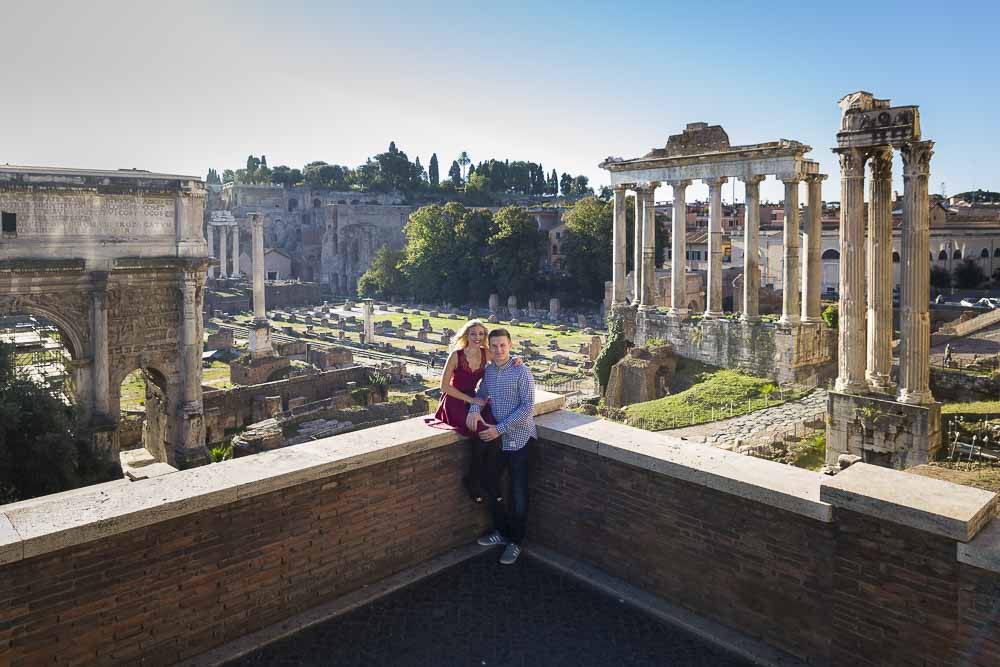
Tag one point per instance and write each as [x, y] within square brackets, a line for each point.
[881, 431]
[642, 375]
[259, 339]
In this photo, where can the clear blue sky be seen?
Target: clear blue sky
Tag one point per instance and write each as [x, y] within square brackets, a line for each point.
[181, 87]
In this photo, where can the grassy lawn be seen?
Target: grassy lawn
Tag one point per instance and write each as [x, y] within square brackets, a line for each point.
[809, 453]
[216, 375]
[976, 407]
[710, 389]
[133, 395]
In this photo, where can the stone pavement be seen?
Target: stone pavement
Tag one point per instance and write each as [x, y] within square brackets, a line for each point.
[483, 614]
[755, 427]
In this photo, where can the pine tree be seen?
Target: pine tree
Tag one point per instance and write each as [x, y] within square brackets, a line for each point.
[392, 147]
[553, 188]
[455, 173]
[432, 170]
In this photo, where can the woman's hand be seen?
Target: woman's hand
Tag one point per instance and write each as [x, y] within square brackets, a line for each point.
[478, 401]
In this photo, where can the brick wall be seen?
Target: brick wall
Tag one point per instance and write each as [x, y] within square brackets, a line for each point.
[754, 567]
[857, 591]
[177, 588]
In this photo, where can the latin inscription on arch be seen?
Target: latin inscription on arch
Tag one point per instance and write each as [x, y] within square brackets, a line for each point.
[47, 214]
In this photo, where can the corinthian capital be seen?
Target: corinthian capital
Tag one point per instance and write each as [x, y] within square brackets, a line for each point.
[754, 180]
[881, 163]
[852, 162]
[917, 158]
[716, 182]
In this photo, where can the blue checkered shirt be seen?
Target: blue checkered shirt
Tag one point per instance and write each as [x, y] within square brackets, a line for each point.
[511, 391]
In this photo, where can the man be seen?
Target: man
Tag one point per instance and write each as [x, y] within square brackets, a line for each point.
[511, 392]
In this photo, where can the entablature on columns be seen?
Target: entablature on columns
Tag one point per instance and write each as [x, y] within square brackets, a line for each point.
[666, 171]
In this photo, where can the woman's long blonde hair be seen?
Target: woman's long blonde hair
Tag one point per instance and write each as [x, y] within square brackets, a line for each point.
[460, 340]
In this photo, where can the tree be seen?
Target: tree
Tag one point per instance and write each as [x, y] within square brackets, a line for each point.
[439, 258]
[383, 279]
[422, 173]
[566, 185]
[455, 174]
[463, 161]
[612, 352]
[515, 252]
[587, 245]
[940, 278]
[433, 176]
[228, 176]
[552, 187]
[831, 315]
[581, 186]
[42, 448]
[968, 274]
[213, 177]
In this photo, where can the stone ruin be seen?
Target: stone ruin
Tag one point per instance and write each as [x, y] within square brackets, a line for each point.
[641, 375]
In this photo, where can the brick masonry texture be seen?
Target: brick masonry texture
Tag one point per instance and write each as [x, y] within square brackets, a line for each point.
[858, 591]
[178, 588]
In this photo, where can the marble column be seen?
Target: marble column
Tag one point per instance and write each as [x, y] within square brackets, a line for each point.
[236, 250]
[637, 247]
[190, 342]
[211, 248]
[259, 329]
[618, 249]
[852, 333]
[790, 300]
[751, 247]
[101, 369]
[915, 329]
[678, 240]
[648, 299]
[879, 264]
[223, 241]
[713, 296]
[812, 266]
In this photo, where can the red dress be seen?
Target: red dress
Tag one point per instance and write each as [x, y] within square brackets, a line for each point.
[451, 412]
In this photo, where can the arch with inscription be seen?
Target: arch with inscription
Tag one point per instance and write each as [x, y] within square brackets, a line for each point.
[116, 260]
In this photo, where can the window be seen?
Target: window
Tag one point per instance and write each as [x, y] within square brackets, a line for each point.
[957, 254]
[9, 224]
[895, 257]
[985, 254]
[555, 249]
[943, 255]
[293, 204]
[831, 254]
[996, 253]
[272, 275]
[316, 203]
[558, 235]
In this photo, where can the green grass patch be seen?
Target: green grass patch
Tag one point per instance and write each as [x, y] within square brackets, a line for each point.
[712, 394]
[809, 453]
[974, 408]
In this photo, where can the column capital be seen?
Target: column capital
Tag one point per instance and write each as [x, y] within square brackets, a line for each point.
[256, 219]
[754, 180]
[620, 189]
[852, 162]
[880, 162]
[917, 157]
[814, 178]
[715, 182]
[791, 180]
[679, 184]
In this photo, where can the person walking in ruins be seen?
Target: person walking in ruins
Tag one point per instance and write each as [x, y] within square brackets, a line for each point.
[462, 374]
[511, 392]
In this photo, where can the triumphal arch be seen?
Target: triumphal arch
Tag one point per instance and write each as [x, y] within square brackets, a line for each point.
[117, 261]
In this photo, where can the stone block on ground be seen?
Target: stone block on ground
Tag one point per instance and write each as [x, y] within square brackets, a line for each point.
[642, 375]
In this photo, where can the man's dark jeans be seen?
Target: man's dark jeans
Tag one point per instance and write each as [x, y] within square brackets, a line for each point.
[510, 516]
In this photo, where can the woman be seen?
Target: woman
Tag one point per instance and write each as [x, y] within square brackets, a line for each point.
[462, 373]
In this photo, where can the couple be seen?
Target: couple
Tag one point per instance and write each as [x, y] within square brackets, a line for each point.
[501, 414]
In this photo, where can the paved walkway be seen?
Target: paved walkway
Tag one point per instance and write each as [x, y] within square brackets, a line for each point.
[480, 613]
[755, 427]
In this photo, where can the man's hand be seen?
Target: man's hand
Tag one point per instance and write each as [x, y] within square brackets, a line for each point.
[481, 402]
[490, 434]
[472, 420]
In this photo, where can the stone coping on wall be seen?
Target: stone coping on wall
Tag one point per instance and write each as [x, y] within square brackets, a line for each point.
[42, 525]
[984, 549]
[930, 505]
[792, 489]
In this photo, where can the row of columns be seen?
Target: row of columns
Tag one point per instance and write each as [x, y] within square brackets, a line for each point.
[865, 340]
[794, 308]
[226, 233]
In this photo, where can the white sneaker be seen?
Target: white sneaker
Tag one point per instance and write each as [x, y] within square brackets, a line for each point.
[510, 554]
[491, 539]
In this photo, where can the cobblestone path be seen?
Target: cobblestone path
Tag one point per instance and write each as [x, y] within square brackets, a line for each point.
[480, 613]
[756, 427]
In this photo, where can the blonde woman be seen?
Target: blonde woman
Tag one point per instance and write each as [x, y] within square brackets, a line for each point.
[462, 373]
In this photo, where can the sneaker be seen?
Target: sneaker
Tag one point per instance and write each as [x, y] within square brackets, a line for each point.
[510, 554]
[491, 539]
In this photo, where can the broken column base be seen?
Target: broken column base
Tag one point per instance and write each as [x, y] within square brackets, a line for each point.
[881, 431]
[259, 339]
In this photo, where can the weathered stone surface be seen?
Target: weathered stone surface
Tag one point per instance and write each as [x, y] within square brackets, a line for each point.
[642, 375]
[931, 505]
[881, 431]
